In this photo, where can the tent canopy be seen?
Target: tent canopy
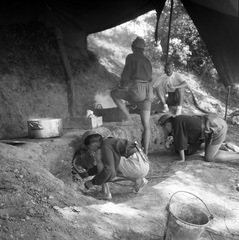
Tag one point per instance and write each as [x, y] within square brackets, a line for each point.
[216, 21]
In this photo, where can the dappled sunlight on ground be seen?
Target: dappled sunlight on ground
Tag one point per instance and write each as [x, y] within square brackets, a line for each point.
[146, 212]
[128, 215]
[120, 209]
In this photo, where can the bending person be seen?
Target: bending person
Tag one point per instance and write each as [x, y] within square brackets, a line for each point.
[193, 130]
[135, 87]
[115, 157]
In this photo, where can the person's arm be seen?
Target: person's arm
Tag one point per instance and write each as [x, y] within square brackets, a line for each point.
[180, 135]
[108, 171]
[179, 81]
[92, 171]
[125, 76]
[181, 85]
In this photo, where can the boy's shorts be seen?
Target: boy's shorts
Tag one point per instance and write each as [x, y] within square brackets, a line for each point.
[131, 97]
[218, 126]
[134, 167]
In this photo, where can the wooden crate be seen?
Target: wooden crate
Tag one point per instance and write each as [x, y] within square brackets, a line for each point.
[109, 114]
[82, 122]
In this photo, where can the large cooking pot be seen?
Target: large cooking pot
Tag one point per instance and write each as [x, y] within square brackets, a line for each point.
[44, 127]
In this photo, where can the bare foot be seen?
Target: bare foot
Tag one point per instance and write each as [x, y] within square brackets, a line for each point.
[181, 161]
[103, 196]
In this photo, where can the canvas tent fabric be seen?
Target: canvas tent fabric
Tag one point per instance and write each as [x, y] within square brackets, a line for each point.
[216, 21]
[217, 24]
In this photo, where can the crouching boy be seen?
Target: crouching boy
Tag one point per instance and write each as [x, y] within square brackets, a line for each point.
[115, 157]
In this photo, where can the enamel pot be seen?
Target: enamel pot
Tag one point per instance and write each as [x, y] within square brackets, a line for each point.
[44, 127]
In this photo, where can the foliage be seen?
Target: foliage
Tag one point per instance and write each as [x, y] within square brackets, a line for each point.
[143, 26]
[186, 48]
[153, 52]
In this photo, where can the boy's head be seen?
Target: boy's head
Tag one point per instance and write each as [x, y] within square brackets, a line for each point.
[165, 121]
[92, 140]
[168, 69]
[138, 43]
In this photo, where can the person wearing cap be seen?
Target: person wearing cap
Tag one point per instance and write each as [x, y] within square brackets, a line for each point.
[115, 157]
[173, 85]
[190, 131]
[135, 87]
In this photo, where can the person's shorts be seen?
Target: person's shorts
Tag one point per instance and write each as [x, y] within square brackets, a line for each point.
[144, 105]
[135, 166]
[173, 98]
[218, 126]
[141, 94]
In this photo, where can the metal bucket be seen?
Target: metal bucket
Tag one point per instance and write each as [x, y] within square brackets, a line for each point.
[185, 221]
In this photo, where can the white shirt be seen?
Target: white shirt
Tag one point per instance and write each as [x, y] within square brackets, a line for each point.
[169, 83]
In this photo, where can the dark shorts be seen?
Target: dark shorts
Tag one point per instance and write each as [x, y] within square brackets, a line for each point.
[173, 98]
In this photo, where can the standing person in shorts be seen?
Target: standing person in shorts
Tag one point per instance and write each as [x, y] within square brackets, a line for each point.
[115, 157]
[135, 87]
[190, 131]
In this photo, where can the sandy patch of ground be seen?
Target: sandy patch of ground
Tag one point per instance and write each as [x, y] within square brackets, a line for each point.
[40, 201]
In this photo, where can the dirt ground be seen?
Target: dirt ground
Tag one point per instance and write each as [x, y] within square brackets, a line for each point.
[40, 201]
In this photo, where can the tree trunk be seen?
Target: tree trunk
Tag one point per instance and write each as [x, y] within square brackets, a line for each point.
[75, 43]
[68, 73]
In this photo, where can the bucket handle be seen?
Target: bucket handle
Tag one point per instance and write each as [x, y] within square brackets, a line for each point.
[34, 125]
[210, 214]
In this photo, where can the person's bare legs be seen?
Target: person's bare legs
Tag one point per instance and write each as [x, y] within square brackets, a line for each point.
[145, 119]
[212, 153]
[161, 93]
[120, 104]
[181, 93]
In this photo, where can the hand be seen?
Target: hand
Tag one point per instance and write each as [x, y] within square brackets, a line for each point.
[172, 88]
[88, 184]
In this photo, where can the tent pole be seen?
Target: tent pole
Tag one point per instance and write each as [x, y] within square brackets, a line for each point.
[169, 29]
[156, 29]
[228, 95]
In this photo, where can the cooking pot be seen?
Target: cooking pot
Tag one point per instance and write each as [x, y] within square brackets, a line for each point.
[44, 127]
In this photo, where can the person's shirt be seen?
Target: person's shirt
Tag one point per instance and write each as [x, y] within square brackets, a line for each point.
[112, 149]
[169, 82]
[137, 67]
[186, 130]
